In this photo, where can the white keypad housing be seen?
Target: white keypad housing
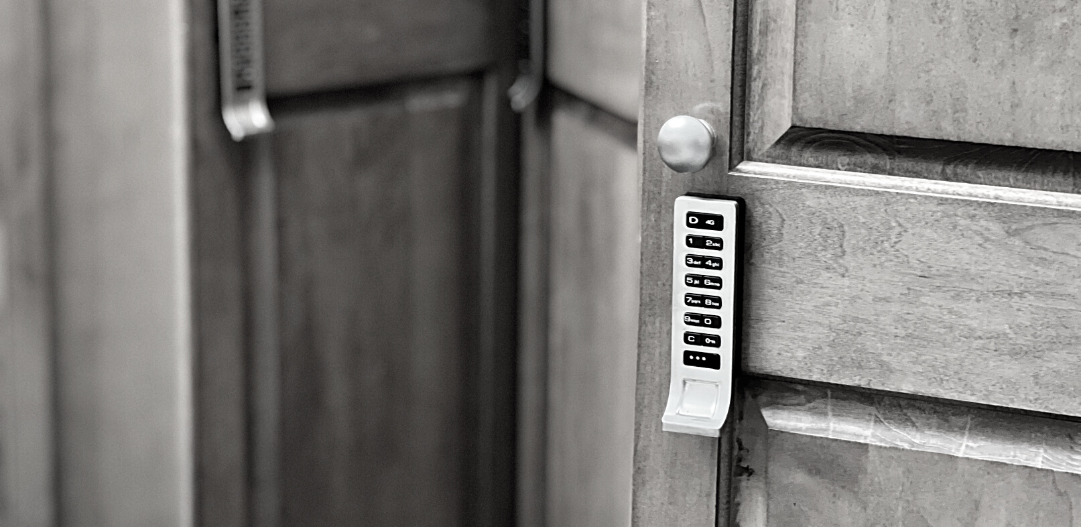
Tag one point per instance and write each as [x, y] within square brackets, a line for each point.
[705, 247]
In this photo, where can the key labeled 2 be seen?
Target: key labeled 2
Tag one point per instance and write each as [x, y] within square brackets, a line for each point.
[695, 241]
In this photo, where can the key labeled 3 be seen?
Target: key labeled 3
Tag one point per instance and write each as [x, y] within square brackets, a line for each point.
[704, 262]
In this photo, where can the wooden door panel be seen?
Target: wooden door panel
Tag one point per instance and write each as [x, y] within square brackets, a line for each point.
[378, 308]
[320, 45]
[593, 317]
[911, 232]
[988, 72]
[595, 51]
[994, 71]
[980, 164]
[816, 481]
[829, 455]
[958, 299]
[935, 426]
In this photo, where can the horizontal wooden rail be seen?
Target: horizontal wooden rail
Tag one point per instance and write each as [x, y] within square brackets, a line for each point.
[918, 424]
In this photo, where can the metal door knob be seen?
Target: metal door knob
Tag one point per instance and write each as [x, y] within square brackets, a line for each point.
[686, 143]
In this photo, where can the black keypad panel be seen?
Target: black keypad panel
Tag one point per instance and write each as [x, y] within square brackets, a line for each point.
[702, 359]
[704, 242]
[706, 301]
[703, 262]
[701, 220]
[702, 339]
[700, 320]
[703, 281]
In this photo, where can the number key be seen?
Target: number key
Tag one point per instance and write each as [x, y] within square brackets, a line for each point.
[704, 242]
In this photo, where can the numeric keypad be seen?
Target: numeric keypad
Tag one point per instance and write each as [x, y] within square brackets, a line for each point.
[706, 238]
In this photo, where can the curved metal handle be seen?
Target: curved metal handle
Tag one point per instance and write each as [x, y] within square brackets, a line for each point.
[529, 83]
[240, 51]
[686, 143]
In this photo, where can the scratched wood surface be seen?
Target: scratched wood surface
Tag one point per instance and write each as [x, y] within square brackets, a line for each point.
[831, 455]
[321, 45]
[26, 382]
[595, 52]
[981, 164]
[925, 425]
[593, 317]
[950, 298]
[992, 71]
[818, 481]
[688, 53]
[378, 293]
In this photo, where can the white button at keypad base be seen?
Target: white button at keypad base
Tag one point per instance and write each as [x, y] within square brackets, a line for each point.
[699, 399]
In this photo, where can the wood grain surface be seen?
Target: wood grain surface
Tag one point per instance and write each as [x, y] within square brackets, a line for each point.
[322, 45]
[750, 492]
[949, 298]
[769, 69]
[924, 425]
[689, 71]
[992, 71]
[121, 216]
[981, 164]
[832, 455]
[378, 292]
[593, 317]
[595, 52]
[818, 481]
[27, 442]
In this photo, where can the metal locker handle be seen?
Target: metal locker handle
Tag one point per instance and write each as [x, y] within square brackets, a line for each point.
[528, 85]
[240, 52]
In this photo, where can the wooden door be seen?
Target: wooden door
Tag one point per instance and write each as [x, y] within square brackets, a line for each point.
[379, 237]
[912, 314]
[579, 261]
[312, 327]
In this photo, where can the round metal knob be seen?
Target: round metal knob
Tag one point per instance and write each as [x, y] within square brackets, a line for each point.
[686, 143]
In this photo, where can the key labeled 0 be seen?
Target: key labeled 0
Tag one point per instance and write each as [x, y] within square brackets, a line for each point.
[701, 320]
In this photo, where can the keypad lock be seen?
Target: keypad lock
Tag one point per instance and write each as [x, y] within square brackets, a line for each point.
[706, 265]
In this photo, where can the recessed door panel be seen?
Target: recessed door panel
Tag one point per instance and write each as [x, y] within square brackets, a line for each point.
[378, 309]
[959, 299]
[996, 71]
[592, 316]
[325, 45]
